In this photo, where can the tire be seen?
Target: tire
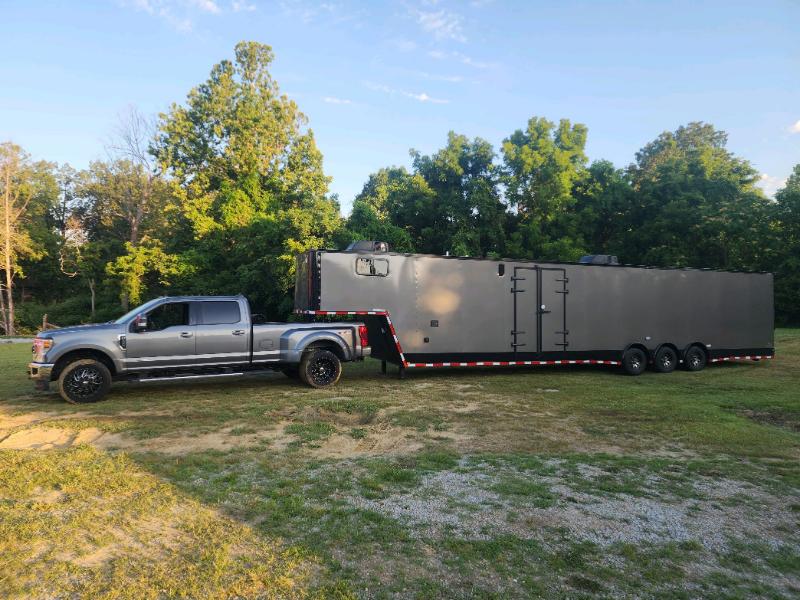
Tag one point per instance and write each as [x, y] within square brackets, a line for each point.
[84, 381]
[320, 368]
[634, 361]
[694, 359]
[666, 360]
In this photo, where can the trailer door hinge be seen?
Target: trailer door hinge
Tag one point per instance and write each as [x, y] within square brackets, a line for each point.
[517, 291]
[565, 280]
[562, 332]
[562, 291]
[517, 332]
[513, 278]
[515, 344]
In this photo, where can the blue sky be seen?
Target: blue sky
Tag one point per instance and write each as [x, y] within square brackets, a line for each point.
[376, 79]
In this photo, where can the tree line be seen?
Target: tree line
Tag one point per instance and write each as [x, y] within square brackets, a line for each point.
[218, 194]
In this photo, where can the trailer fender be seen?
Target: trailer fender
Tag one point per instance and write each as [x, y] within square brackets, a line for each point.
[299, 341]
[701, 345]
[669, 345]
[641, 347]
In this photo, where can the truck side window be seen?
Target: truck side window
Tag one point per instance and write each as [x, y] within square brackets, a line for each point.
[372, 266]
[168, 315]
[219, 313]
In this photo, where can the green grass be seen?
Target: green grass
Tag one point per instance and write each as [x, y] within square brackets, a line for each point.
[446, 484]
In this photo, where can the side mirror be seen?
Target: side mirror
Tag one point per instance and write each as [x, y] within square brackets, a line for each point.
[140, 324]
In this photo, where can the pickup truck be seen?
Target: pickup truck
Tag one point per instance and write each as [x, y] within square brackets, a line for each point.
[190, 337]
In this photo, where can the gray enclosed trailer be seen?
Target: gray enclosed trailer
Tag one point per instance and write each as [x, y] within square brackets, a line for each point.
[440, 311]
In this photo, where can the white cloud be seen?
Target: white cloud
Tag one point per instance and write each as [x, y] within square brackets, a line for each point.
[419, 97]
[240, 6]
[443, 24]
[463, 59]
[208, 6]
[770, 184]
[423, 97]
[446, 78]
[795, 128]
[179, 13]
[334, 100]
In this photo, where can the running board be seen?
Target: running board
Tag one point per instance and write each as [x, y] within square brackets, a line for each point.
[181, 377]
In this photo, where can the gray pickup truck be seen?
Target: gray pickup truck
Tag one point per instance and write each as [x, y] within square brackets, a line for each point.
[190, 337]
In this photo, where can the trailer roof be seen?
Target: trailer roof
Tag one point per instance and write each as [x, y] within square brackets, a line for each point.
[549, 262]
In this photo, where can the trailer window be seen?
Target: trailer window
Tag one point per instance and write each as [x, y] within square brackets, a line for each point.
[376, 267]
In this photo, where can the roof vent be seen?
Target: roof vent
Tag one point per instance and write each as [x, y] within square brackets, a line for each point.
[599, 259]
[369, 246]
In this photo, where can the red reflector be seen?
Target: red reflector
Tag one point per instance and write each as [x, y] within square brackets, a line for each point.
[362, 333]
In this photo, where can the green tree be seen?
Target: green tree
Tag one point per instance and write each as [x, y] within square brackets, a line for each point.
[28, 191]
[541, 164]
[603, 198]
[786, 264]
[696, 204]
[464, 214]
[248, 180]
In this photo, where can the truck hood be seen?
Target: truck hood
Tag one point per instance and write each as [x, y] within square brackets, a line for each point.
[56, 333]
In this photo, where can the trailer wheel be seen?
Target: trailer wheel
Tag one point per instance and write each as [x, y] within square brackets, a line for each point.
[695, 359]
[666, 360]
[84, 381]
[320, 368]
[634, 361]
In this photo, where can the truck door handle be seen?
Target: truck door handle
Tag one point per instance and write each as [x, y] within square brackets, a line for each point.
[186, 334]
[238, 332]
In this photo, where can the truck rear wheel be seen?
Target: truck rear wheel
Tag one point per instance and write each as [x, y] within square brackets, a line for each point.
[695, 359]
[320, 368]
[84, 381]
[666, 360]
[634, 361]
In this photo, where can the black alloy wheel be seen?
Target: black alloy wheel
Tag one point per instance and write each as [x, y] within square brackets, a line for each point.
[634, 361]
[666, 360]
[695, 359]
[84, 381]
[320, 368]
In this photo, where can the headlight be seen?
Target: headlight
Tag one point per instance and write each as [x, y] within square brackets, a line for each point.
[41, 346]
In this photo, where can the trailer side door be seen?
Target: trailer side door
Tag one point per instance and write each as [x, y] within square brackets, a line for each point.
[553, 293]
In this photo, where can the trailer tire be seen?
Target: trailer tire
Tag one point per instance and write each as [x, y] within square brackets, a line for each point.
[665, 360]
[84, 381]
[320, 368]
[634, 361]
[694, 359]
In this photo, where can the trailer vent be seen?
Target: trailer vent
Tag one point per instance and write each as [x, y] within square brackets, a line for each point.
[599, 259]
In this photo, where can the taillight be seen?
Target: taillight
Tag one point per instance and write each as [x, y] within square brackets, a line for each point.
[363, 335]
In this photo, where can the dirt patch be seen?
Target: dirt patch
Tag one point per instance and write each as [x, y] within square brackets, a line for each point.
[383, 439]
[776, 418]
[38, 438]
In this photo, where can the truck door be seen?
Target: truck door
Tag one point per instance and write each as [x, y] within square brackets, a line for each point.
[525, 292]
[223, 333]
[168, 340]
[553, 309]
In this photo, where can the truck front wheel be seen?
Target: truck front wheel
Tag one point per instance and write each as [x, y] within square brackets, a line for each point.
[83, 381]
[320, 368]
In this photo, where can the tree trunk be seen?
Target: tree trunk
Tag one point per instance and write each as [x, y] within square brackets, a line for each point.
[91, 289]
[4, 320]
[9, 272]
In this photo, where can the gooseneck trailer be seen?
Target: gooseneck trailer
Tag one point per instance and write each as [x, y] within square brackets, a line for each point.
[441, 311]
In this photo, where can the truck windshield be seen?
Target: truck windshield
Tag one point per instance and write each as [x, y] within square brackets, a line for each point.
[137, 311]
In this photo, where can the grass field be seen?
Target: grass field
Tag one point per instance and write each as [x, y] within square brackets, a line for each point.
[555, 482]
